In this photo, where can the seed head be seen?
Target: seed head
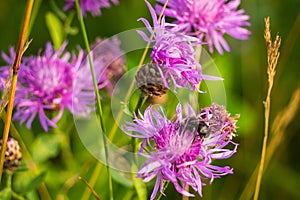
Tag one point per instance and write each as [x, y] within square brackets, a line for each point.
[13, 155]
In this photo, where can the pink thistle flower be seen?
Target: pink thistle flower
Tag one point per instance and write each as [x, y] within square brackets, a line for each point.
[209, 20]
[46, 86]
[183, 151]
[174, 53]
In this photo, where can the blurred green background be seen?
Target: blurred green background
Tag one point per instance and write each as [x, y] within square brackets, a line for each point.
[244, 71]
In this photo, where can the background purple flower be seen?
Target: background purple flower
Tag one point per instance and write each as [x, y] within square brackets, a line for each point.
[45, 86]
[182, 151]
[209, 20]
[92, 6]
[108, 56]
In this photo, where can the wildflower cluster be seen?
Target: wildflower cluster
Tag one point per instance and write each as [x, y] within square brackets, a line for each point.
[182, 151]
[198, 23]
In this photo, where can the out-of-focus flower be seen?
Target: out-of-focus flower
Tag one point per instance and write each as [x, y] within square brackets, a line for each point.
[45, 86]
[92, 6]
[173, 53]
[108, 56]
[182, 151]
[209, 20]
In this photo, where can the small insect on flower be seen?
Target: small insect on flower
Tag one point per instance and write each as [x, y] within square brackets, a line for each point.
[195, 124]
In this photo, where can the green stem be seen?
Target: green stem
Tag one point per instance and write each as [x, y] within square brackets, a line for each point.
[58, 11]
[99, 107]
[8, 180]
[160, 195]
[16, 196]
[66, 151]
[113, 130]
[142, 99]
[137, 185]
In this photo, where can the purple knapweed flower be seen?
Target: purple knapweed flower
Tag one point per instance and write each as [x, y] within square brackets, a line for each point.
[45, 86]
[209, 20]
[174, 52]
[92, 6]
[183, 151]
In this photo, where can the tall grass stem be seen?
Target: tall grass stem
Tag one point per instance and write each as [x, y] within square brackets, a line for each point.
[113, 130]
[99, 107]
[16, 67]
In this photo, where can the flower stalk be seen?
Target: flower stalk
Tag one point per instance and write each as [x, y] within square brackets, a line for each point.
[16, 66]
[99, 107]
[278, 130]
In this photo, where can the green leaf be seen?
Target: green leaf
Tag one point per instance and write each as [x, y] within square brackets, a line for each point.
[34, 182]
[56, 29]
[45, 146]
[68, 28]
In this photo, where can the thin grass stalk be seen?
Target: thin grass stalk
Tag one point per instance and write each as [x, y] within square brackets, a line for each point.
[273, 55]
[92, 180]
[71, 181]
[16, 67]
[99, 107]
[112, 133]
[90, 188]
[160, 194]
[282, 120]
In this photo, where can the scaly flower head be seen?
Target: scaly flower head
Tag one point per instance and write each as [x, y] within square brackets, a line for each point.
[174, 52]
[182, 151]
[92, 6]
[209, 20]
